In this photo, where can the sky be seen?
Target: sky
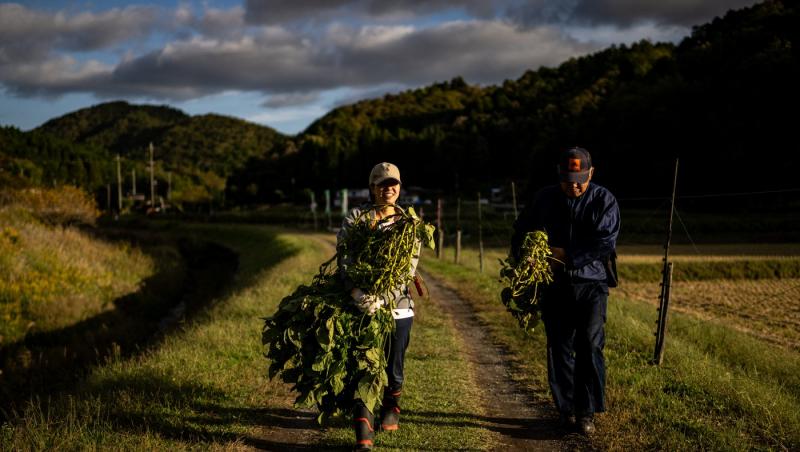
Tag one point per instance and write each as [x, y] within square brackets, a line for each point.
[285, 63]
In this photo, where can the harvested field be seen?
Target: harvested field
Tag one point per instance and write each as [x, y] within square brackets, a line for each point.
[768, 309]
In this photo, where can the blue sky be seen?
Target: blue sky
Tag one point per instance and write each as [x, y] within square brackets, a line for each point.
[285, 63]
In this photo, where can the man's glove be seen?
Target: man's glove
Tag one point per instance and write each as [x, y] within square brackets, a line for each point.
[365, 302]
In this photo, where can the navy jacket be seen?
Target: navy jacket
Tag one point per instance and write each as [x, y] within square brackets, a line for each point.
[586, 227]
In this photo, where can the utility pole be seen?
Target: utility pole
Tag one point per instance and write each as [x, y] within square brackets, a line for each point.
[152, 179]
[133, 180]
[666, 280]
[169, 186]
[119, 186]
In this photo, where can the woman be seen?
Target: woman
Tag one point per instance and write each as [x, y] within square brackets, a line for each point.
[384, 187]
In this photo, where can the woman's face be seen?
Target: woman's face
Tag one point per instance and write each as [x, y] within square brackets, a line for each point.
[386, 192]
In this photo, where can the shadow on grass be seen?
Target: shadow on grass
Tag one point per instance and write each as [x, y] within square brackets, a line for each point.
[516, 427]
[191, 274]
[193, 413]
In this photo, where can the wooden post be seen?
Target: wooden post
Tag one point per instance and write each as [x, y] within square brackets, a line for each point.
[458, 231]
[133, 180]
[313, 207]
[514, 198]
[439, 231]
[480, 234]
[169, 186]
[108, 197]
[666, 281]
[119, 186]
[328, 208]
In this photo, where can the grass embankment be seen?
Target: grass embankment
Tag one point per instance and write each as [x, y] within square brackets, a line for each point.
[53, 274]
[719, 389]
[205, 385]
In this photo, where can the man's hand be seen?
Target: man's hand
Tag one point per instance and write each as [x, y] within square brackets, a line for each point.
[558, 259]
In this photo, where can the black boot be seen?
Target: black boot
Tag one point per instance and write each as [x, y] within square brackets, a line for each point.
[362, 423]
[390, 409]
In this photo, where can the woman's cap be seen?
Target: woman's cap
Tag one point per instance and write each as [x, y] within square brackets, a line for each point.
[574, 165]
[382, 172]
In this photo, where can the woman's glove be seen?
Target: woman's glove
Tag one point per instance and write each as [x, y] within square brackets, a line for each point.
[365, 302]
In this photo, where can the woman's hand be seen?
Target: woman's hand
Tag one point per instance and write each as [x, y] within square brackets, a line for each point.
[365, 302]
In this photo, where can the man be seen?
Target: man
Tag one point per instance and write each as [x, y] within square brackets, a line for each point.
[582, 223]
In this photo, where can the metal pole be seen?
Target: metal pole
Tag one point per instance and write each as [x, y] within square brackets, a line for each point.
[666, 280]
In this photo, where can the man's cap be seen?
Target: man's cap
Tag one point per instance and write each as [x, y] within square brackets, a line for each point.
[574, 165]
[382, 172]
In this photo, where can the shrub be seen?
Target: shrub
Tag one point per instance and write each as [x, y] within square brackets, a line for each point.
[56, 206]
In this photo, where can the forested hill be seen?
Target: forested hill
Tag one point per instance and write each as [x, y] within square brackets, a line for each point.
[198, 153]
[724, 100]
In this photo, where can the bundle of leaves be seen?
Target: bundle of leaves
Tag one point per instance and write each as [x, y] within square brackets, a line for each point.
[319, 342]
[523, 277]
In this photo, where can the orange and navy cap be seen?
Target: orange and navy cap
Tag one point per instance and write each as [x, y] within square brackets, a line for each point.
[574, 165]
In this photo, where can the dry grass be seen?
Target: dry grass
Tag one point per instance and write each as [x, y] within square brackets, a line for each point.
[53, 276]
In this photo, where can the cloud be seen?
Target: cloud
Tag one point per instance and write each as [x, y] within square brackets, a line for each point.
[622, 13]
[280, 61]
[320, 11]
[28, 33]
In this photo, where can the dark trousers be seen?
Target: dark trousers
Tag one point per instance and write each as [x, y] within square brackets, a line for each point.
[574, 318]
[397, 352]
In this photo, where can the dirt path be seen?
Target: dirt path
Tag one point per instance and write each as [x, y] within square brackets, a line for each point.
[521, 422]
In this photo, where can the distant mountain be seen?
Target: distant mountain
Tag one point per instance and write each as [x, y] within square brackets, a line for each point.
[196, 153]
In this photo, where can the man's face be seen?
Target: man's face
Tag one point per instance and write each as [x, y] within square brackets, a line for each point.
[574, 189]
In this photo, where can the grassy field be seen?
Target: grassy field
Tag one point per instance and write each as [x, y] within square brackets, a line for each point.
[730, 381]
[204, 385]
[722, 386]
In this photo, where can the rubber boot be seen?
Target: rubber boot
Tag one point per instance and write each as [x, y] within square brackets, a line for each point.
[390, 409]
[362, 424]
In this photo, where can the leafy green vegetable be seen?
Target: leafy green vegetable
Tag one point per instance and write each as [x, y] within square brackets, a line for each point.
[523, 277]
[320, 343]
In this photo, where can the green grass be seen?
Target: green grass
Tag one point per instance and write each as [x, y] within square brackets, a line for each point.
[204, 386]
[718, 389]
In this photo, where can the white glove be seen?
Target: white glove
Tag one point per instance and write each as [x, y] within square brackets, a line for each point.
[365, 302]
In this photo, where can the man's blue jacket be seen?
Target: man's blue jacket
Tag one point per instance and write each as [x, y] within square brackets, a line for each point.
[586, 227]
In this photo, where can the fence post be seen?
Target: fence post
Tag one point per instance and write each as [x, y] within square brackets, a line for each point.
[458, 231]
[514, 199]
[439, 231]
[480, 234]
